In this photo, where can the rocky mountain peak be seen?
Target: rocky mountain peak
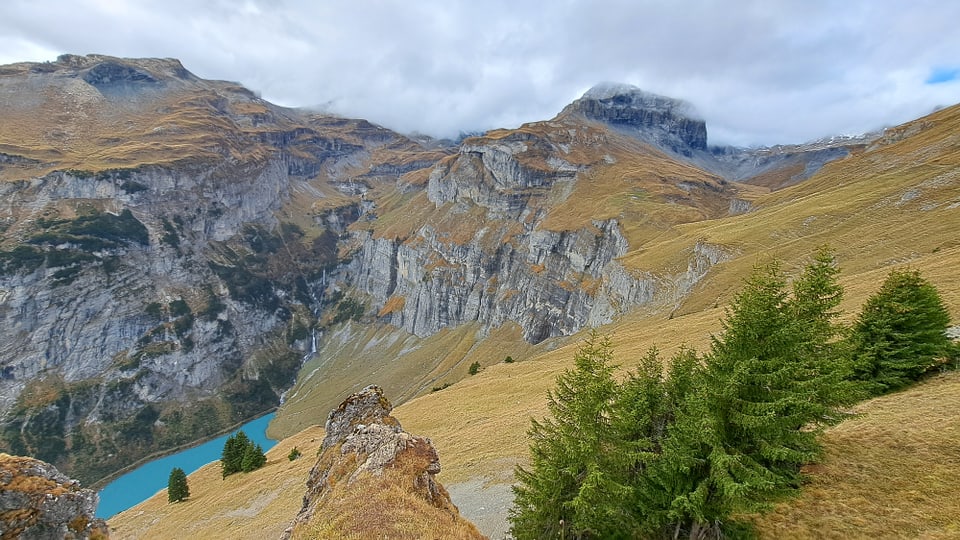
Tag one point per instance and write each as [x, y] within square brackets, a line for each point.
[38, 501]
[669, 123]
[365, 456]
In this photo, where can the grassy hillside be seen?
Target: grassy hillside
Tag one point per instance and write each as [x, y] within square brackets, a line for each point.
[253, 505]
[888, 473]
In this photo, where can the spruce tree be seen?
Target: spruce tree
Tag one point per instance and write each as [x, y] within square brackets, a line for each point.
[177, 488]
[253, 457]
[248, 462]
[816, 297]
[231, 460]
[738, 442]
[900, 333]
[565, 447]
[226, 457]
[825, 348]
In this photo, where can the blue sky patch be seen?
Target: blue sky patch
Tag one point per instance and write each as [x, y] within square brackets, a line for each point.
[942, 75]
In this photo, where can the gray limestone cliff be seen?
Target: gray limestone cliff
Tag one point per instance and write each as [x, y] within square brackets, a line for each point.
[505, 266]
[173, 247]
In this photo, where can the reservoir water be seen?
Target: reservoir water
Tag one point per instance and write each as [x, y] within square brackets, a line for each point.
[146, 480]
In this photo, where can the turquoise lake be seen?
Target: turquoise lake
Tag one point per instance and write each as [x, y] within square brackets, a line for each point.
[146, 480]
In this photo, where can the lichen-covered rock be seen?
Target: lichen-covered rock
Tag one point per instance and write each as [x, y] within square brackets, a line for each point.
[369, 466]
[38, 502]
[368, 406]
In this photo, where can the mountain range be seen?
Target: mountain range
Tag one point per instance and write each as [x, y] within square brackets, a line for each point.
[179, 255]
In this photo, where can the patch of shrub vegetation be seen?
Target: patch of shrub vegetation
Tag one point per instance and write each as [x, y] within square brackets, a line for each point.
[58, 258]
[294, 454]
[298, 330]
[214, 306]
[278, 365]
[154, 309]
[179, 308]
[508, 360]
[21, 258]
[441, 387]
[94, 231]
[153, 350]
[170, 235]
[348, 309]
[132, 186]
[122, 228]
[260, 240]
[474, 368]
[66, 276]
[247, 287]
[183, 325]
[249, 397]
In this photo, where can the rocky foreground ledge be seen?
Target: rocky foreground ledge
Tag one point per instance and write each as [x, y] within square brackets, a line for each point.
[373, 479]
[38, 502]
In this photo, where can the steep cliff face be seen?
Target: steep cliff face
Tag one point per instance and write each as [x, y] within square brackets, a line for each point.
[495, 241]
[39, 502]
[164, 242]
[551, 283]
[374, 480]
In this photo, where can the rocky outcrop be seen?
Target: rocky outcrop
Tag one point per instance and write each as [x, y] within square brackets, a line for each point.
[369, 466]
[669, 123]
[37, 502]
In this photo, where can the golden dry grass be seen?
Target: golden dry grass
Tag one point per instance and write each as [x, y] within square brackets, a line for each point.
[255, 505]
[895, 204]
[891, 472]
[353, 357]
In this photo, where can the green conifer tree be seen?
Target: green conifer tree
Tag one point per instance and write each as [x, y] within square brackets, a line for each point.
[227, 456]
[564, 448]
[260, 458]
[767, 392]
[231, 460]
[177, 488]
[249, 459]
[900, 333]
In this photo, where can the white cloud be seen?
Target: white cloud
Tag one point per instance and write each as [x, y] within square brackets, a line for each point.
[760, 72]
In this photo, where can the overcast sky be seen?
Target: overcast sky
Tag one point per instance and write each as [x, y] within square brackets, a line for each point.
[759, 72]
